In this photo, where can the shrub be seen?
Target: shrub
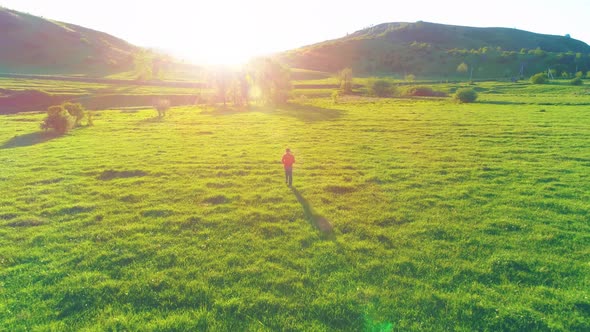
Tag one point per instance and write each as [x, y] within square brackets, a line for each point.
[90, 119]
[58, 119]
[466, 95]
[335, 96]
[162, 105]
[423, 91]
[76, 110]
[576, 81]
[539, 78]
[380, 88]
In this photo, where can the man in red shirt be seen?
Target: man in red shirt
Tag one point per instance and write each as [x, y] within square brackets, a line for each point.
[288, 161]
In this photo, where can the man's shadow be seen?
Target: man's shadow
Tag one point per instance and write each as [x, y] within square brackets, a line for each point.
[320, 223]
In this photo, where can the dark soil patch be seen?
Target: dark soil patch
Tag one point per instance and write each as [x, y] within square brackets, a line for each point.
[219, 199]
[340, 189]
[113, 174]
[26, 223]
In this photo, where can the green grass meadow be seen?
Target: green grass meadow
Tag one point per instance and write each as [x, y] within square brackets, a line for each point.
[405, 215]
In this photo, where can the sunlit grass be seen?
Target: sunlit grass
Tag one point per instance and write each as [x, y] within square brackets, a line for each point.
[406, 215]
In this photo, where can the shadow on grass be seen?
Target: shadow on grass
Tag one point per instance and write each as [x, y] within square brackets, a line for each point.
[498, 102]
[155, 119]
[29, 139]
[320, 223]
[305, 113]
[113, 174]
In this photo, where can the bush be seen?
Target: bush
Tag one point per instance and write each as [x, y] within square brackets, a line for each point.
[162, 105]
[380, 88]
[576, 81]
[335, 96]
[422, 91]
[76, 110]
[90, 119]
[58, 119]
[466, 95]
[539, 78]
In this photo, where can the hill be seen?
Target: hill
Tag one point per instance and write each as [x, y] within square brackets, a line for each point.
[32, 44]
[431, 49]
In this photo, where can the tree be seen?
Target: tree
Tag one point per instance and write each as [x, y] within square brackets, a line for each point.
[76, 110]
[345, 77]
[58, 119]
[462, 67]
[222, 81]
[272, 79]
[410, 78]
[244, 81]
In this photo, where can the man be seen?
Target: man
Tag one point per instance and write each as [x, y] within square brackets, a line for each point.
[288, 161]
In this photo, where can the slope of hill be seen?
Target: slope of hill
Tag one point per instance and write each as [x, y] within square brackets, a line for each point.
[32, 44]
[437, 49]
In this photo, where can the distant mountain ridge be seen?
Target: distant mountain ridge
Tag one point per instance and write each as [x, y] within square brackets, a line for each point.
[31, 44]
[436, 49]
[455, 36]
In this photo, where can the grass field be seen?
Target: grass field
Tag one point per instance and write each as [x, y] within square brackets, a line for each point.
[406, 214]
[57, 87]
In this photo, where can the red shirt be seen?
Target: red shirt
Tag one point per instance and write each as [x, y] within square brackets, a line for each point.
[288, 160]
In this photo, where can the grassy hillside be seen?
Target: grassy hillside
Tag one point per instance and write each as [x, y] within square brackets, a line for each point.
[435, 50]
[32, 44]
[406, 214]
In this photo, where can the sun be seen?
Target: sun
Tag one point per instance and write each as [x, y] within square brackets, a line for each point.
[213, 51]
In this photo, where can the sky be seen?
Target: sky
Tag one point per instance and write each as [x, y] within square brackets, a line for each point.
[232, 31]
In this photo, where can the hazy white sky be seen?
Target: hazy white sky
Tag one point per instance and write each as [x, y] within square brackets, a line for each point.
[222, 31]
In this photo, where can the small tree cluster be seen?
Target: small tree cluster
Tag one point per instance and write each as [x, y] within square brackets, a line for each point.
[221, 79]
[58, 119]
[62, 118]
[263, 79]
[466, 95]
[272, 79]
